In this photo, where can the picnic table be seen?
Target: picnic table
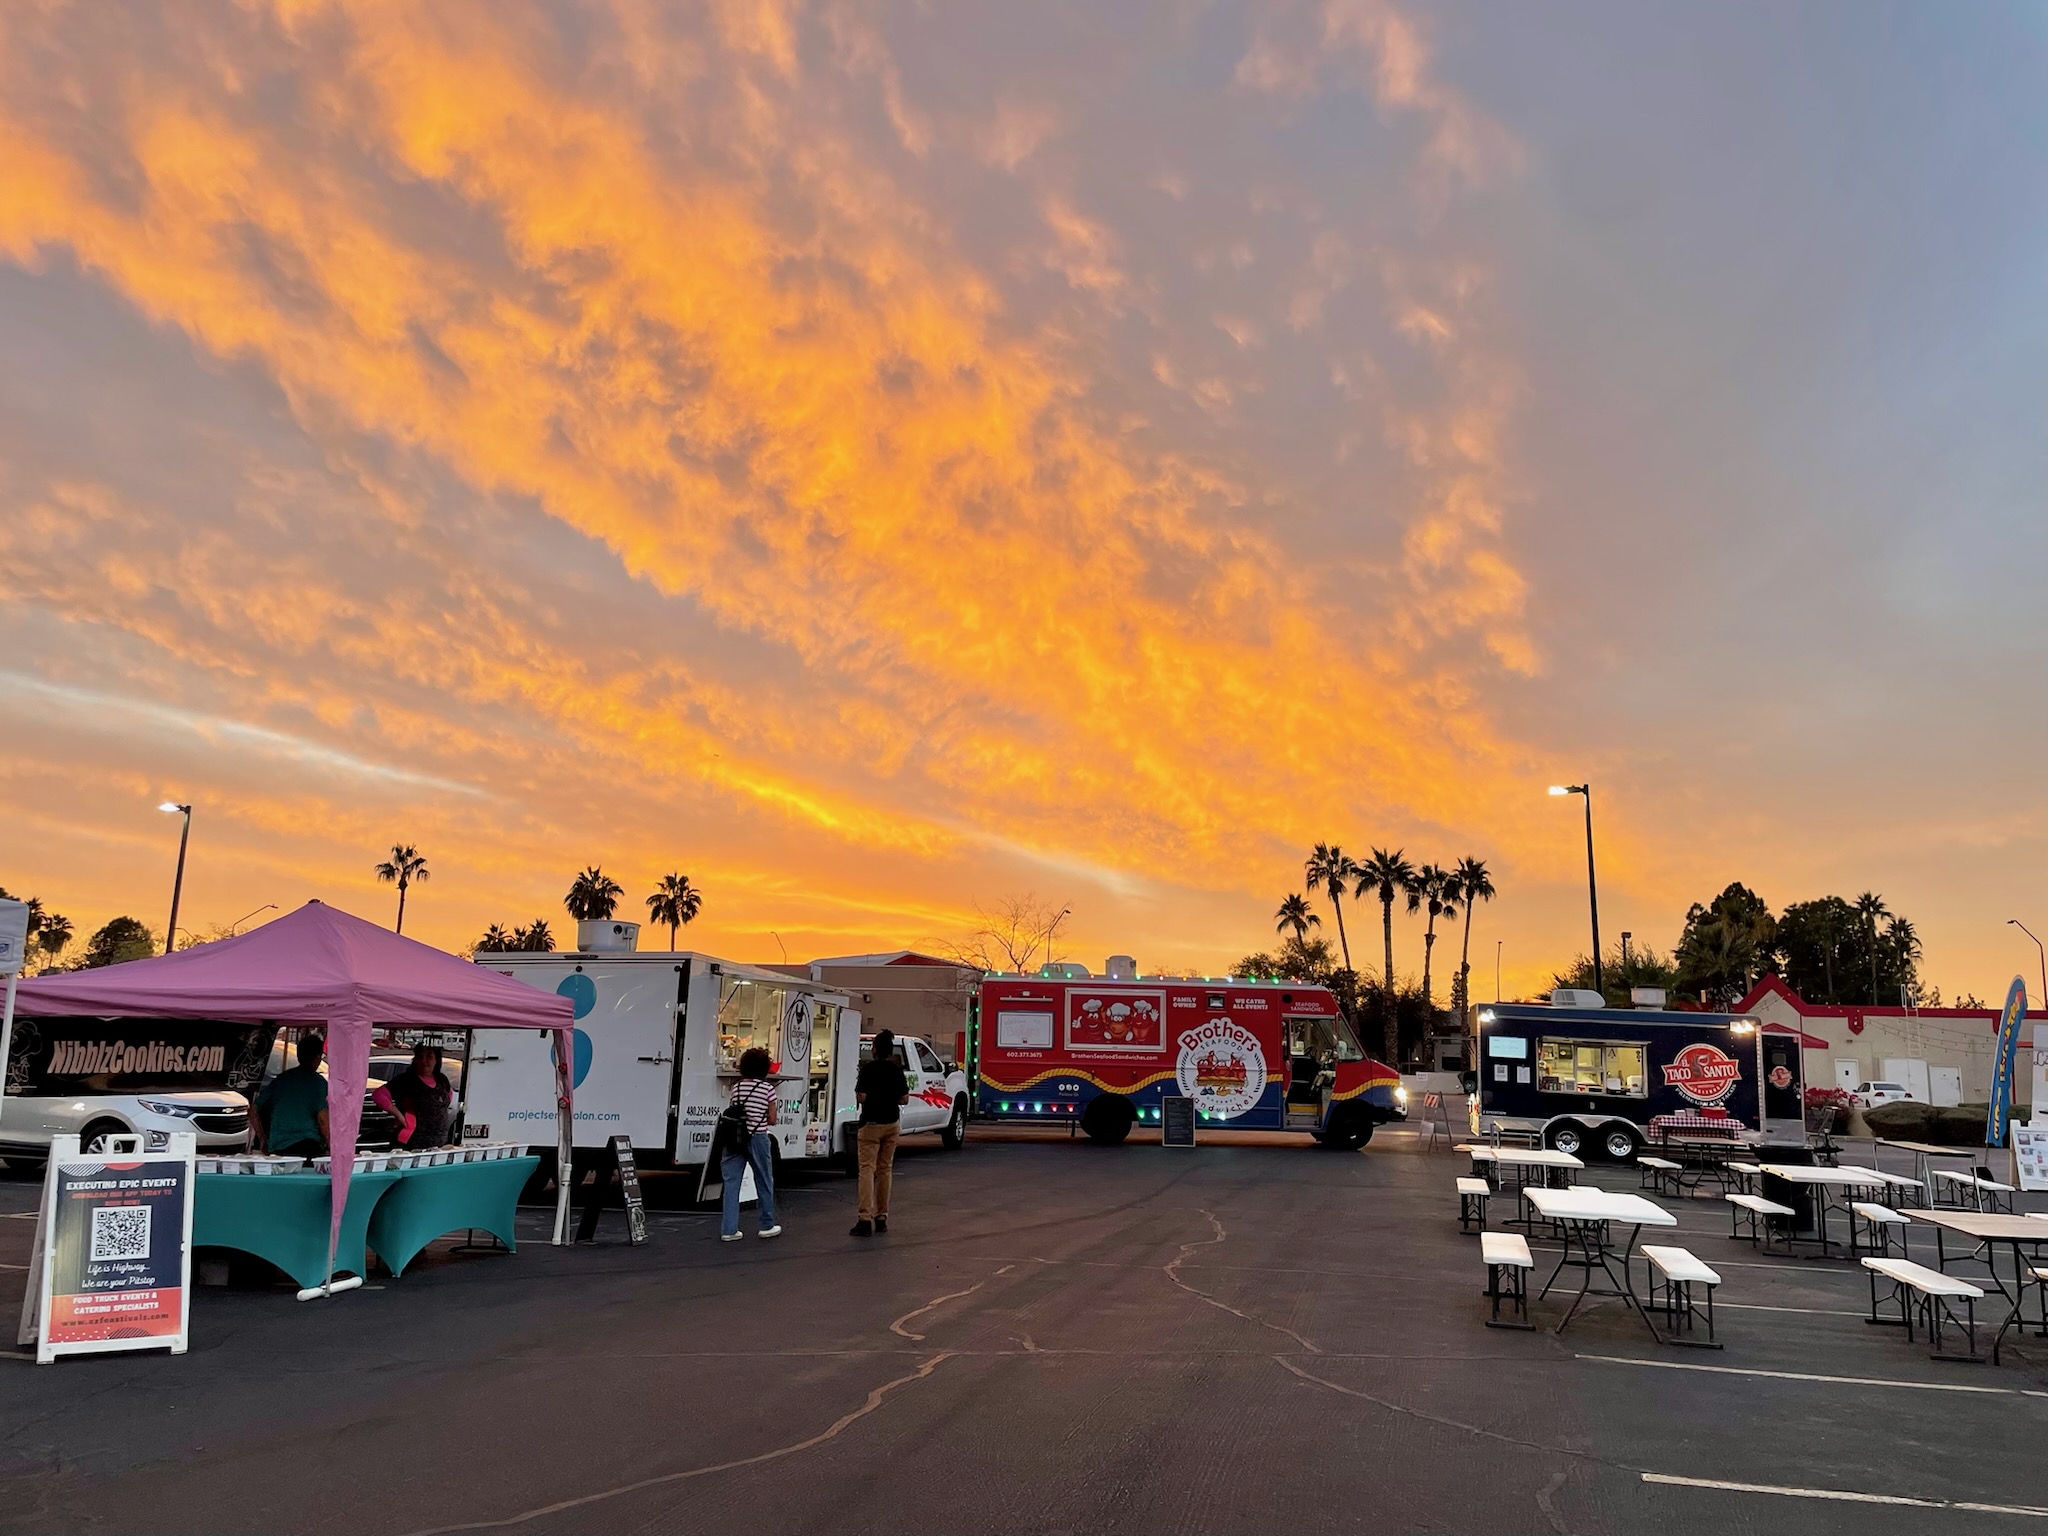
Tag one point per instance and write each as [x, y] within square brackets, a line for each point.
[1822, 1181]
[1990, 1228]
[1922, 1151]
[1587, 1216]
[1703, 1155]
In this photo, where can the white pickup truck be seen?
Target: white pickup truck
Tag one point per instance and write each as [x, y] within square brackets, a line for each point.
[938, 1090]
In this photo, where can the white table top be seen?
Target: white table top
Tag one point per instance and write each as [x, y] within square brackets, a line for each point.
[1992, 1224]
[1925, 1150]
[1879, 1176]
[1527, 1157]
[1840, 1178]
[1587, 1203]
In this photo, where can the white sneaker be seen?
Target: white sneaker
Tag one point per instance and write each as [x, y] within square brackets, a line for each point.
[775, 1231]
[730, 1237]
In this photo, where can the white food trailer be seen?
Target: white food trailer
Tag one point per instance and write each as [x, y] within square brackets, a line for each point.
[657, 1047]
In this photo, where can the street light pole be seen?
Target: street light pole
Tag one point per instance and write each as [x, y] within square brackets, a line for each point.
[1496, 968]
[2023, 928]
[178, 882]
[1592, 884]
[268, 906]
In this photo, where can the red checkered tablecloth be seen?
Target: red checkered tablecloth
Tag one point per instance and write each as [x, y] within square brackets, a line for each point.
[1685, 1123]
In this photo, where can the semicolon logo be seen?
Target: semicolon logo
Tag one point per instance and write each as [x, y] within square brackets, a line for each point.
[582, 994]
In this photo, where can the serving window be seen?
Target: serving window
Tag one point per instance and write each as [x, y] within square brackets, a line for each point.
[1610, 1067]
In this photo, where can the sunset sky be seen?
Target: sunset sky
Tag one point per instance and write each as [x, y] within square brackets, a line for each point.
[879, 458]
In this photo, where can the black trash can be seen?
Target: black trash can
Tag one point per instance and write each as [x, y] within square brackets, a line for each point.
[1784, 1191]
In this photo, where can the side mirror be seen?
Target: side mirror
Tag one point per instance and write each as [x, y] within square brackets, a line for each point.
[950, 1066]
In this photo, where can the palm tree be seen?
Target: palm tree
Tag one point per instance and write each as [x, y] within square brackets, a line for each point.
[406, 865]
[1436, 889]
[52, 934]
[536, 939]
[1904, 944]
[1294, 913]
[593, 897]
[496, 940]
[1475, 885]
[1331, 868]
[675, 901]
[1870, 907]
[1386, 875]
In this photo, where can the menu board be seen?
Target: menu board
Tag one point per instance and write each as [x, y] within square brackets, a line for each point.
[629, 1185]
[1176, 1120]
[2030, 1156]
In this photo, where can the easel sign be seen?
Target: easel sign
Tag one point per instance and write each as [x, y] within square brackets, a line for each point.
[112, 1264]
[1176, 1120]
[629, 1189]
[2030, 1157]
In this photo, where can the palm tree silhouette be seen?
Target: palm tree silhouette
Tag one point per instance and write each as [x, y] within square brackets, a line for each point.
[1870, 907]
[496, 940]
[407, 865]
[675, 901]
[1330, 867]
[1294, 913]
[537, 939]
[52, 934]
[1474, 885]
[1436, 889]
[1386, 875]
[593, 896]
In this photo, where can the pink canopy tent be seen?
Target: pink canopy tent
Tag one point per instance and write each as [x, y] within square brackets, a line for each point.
[319, 965]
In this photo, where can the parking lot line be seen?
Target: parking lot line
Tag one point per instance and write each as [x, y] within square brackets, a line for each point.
[1750, 1306]
[1849, 1381]
[1845, 1495]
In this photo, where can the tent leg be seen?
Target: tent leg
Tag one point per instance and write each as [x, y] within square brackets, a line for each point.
[564, 1156]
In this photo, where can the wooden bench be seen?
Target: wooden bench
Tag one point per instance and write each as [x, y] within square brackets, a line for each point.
[1746, 1176]
[1756, 1214]
[1933, 1296]
[1871, 1226]
[1673, 1296]
[1659, 1174]
[1472, 1197]
[1508, 1262]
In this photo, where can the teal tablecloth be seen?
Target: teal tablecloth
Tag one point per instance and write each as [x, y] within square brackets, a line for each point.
[427, 1202]
[284, 1217]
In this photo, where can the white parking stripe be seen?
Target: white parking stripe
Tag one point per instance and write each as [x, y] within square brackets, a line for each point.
[1846, 1496]
[1851, 1381]
[1750, 1306]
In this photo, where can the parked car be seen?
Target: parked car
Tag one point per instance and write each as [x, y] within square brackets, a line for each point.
[219, 1122]
[1870, 1095]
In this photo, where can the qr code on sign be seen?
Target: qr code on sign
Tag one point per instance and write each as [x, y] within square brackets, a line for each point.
[120, 1232]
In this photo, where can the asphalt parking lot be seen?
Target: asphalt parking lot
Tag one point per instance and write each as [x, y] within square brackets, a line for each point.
[1054, 1338]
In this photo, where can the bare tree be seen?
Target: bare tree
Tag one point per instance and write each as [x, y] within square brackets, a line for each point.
[1020, 933]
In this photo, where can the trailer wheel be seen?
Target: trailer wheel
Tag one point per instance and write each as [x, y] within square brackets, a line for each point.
[954, 1136]
[1107, 1119]
[1568, 1137]
[1619, 1142]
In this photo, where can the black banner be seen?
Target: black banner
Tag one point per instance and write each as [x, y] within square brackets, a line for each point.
[53, 1057]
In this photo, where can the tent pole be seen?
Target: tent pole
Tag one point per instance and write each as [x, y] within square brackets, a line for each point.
[564, 1137]
[6, 1040]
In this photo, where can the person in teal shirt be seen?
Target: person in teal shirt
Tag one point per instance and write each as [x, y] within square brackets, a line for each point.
[290, 1114]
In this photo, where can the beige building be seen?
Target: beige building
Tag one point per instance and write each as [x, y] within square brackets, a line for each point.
[1849, 1044]
[904, 991]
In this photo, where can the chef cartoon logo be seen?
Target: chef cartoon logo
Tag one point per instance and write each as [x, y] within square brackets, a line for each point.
[1703, 1073]
[1222, 1068]
[1116, 1020]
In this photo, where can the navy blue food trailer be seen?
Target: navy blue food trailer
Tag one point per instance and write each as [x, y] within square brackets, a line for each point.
[1593, 1079]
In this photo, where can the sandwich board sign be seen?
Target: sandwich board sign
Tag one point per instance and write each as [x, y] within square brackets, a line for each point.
[2030, 1156]
[112, 1264]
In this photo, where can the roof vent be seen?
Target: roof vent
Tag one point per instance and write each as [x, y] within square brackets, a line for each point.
[1576, 997]
[1120, 968]
[1646, 997]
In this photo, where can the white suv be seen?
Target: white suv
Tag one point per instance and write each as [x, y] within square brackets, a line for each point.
[1870, 1095]
[219, 1120]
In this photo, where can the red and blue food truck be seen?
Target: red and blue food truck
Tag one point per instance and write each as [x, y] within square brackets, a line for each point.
[1103, 1051]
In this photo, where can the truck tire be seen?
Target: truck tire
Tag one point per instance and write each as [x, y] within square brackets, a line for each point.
[1620, 1143]
[1349, 1129]
[1108, 1118]
[954, 1136]
[1566, 1136]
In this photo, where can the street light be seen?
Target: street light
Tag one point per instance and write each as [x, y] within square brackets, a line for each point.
[1592, 885]
[2023, 928]
[171, 807]
[268, 906]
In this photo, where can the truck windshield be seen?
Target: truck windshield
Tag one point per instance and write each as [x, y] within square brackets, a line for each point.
[1324, 1039]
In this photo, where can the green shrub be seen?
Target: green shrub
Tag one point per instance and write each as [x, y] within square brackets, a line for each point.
[1960, 1125]
[1902, 1122]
